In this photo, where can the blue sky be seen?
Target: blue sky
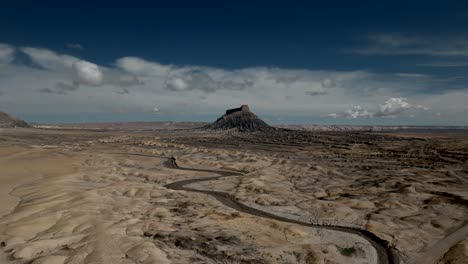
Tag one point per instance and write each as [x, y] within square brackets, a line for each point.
[335, 62]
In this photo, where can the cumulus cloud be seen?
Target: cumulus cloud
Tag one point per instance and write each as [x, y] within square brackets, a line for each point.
[353, 113]
[395, 106]
[191, 80]
[49, 59]
[7, 53]
[138, 66]
[207, 80]
[390, 108]
[203, 90]
[176, 84]
[357, 112]
[80, 72]
[87, 73]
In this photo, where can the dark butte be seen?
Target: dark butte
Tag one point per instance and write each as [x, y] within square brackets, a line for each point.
[241, 119]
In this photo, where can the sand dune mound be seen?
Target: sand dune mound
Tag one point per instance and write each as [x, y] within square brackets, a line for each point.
[7, 120]
[241, 119]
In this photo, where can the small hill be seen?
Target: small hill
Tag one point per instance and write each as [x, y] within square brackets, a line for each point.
[7, 120]
[241, 119]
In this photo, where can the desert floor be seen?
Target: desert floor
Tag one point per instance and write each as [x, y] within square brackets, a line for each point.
[76, 196]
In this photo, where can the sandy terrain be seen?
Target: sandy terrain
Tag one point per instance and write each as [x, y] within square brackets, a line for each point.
[106, 197]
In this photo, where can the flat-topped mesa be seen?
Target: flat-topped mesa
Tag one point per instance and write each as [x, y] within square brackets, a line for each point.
[243, 108]
[241, 119]
[7, 120]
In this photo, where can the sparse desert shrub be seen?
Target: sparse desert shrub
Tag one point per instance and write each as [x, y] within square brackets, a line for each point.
[347, 251]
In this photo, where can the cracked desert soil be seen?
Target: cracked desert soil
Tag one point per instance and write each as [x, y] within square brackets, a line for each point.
[79, 197]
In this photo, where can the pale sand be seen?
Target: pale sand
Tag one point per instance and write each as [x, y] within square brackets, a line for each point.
[96, 208]
[22, 167]
[76, 202]
[13, 174]
[61, 210]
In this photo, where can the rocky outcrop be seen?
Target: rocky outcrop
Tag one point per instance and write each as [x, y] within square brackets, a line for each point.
[241, 119]
[7, 120]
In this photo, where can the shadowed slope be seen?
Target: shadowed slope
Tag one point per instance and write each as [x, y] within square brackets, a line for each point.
[7, 120]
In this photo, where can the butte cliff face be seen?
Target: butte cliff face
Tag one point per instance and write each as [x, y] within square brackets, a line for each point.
[241, 119]
[7, 120]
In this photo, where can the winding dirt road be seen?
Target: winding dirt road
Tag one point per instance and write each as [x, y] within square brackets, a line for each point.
[386, 253]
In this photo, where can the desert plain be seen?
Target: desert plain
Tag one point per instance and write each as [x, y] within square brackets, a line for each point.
[199, 196]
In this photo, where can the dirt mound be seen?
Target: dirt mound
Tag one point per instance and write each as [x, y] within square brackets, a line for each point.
[7, 120]
[241, 119]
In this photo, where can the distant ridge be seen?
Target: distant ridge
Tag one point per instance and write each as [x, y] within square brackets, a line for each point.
[241, 119]
[9, 121]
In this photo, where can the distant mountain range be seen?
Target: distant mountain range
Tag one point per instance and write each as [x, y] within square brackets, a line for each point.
[368, 128]
[240, 119]
[148, 126]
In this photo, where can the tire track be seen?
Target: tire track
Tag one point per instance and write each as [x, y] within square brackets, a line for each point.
[438, 250]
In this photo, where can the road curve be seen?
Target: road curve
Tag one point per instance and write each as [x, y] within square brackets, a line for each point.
[386, 253]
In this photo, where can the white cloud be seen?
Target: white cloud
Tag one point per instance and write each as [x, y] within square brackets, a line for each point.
[74, 72]
[49, 59]
[207, 90]
[140, 66]
[395, 106]
[353, 113]
[87, 73]
[208, 80]
[358, 112]
[7, 53]
[176, 84]
[390, 108]
[186, 80]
